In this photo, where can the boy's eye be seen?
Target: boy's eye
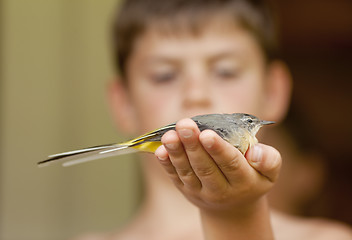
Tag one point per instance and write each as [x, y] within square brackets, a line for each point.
[164, 77]
[226, 73]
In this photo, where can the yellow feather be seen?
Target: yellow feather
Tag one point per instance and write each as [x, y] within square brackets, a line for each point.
[148, 146]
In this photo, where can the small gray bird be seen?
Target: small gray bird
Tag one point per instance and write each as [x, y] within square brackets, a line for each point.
[239, 129]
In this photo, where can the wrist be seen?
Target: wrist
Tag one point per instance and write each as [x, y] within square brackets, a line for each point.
[246, 222]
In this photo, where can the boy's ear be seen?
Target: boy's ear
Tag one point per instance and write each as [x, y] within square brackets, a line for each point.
[278, 91]
[121, 107]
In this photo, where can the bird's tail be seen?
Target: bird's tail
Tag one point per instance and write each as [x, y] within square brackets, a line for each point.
[88, 154]
[148, 142]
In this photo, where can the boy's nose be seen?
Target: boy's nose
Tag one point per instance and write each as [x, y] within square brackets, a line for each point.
[196, 93]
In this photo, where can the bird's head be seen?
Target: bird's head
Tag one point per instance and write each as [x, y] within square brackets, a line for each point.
[252, 123]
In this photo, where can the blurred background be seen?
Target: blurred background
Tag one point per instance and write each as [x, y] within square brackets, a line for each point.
[54, 67]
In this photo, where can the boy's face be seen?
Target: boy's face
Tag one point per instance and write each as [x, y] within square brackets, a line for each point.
[176, 76]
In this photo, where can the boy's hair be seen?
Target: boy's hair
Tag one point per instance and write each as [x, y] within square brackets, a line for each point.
[172, 16]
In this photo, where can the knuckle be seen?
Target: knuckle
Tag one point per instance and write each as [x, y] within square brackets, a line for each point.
[177, 155]
[166, 163]
[191, 146]
[231, 165]
[205, 171]
[185, 172]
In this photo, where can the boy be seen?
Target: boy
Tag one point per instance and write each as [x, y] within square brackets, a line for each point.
[178, 59]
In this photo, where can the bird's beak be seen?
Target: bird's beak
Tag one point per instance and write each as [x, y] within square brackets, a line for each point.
[263, 122]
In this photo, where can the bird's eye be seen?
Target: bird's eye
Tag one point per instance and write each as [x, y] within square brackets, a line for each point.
[250, 120]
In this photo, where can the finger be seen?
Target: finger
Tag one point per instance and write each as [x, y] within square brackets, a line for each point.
[229, 159]
[266, 160]
[164, 160]
[179, 159]
[202, 164]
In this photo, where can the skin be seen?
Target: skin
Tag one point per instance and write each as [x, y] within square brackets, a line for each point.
[223, 193]
[217, 178]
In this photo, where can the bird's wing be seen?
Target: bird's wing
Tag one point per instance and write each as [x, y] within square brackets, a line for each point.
[153, 136]
[203, 122]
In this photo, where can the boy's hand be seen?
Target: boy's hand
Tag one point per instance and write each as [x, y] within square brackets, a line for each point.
[213, 174]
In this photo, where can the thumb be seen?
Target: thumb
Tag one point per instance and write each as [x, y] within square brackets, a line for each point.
[265, 159]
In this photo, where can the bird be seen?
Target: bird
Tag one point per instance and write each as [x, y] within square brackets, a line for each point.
[239, 129]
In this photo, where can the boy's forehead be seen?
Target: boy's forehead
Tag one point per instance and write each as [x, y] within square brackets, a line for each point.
[215, 38]
[192, 27]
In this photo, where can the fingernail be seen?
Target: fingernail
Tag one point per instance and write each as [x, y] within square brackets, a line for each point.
[257, 154]
[186, 133]
[171, 146]
[208, 142]
[160, 153]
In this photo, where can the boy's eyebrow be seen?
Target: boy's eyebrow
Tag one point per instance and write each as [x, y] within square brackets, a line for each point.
[224, 54]
[209, 58]
[162, 59]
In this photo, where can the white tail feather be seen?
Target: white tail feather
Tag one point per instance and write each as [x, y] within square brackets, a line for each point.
[78, 151]
[87, 154]
[119, 150]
